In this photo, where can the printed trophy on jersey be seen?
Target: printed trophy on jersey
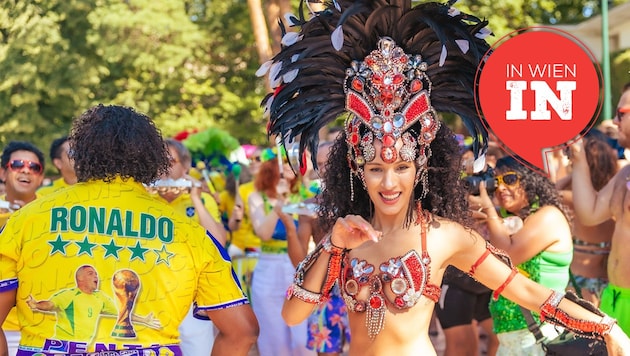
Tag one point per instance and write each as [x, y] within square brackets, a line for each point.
[126, 285]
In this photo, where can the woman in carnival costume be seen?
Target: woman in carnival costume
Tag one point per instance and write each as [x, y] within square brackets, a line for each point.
[401, 218]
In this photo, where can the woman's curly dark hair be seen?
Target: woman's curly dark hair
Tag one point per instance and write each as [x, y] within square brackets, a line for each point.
[110, 141]
[446, 195]
[537, 187]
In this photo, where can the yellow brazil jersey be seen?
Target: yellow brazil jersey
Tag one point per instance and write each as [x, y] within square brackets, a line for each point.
[105, 266]
[57, 184]
[11, 321]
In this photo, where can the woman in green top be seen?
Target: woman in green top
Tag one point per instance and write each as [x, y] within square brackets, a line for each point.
[533, 228]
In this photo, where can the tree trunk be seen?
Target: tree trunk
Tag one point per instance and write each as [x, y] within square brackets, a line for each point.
[260, 30]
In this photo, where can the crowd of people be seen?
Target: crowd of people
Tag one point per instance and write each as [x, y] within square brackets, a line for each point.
[359, 245]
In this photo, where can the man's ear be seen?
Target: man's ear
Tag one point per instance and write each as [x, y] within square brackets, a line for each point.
[57, 163]
[3, 174]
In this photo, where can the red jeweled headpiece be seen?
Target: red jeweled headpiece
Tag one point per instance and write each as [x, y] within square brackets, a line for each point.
[388, 92]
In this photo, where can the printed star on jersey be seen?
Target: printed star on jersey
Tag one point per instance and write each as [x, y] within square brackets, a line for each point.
[137, 251]
[85, 246]
[111, 249]
[59, 245]
[163, 256]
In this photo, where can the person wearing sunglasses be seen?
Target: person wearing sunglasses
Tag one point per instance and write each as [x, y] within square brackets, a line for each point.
[158, 261]
[542, 248]
[594, 207]
[22, 170]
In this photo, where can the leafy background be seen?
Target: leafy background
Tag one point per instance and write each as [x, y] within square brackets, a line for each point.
[188, 64]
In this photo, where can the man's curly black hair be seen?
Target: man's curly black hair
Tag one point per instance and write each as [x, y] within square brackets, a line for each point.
[446, 194]
[115, 141]
[537, 187]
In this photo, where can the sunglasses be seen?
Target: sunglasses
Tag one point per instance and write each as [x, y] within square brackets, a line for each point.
[621, 112]
[18, 164]
[508, 178]
[255, 159]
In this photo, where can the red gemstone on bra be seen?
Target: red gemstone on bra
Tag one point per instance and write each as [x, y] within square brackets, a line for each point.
[400, 302]
[398, 78]
[376, 302]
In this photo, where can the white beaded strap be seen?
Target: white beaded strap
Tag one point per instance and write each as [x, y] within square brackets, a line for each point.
[304, 295]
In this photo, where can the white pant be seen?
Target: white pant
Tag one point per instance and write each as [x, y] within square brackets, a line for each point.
[197, 336]
[272, 276]
[13, 341]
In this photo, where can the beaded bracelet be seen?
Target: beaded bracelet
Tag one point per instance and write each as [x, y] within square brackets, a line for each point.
[304, 295]
[550, 311]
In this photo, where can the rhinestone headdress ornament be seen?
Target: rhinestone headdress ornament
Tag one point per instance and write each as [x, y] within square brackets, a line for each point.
[387, 93]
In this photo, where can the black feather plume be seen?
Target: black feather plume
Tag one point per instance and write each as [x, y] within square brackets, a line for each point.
[302, 105]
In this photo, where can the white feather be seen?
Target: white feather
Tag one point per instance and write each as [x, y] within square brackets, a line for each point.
[479, 164]
[290, 38]
[453, 12]
[337, 38]
[463, 45]
[274, 79]
[264, 68]
[337, 6]
[290, 75]
[443, 55]
[483, 33]
[291, 19]
[267, 111]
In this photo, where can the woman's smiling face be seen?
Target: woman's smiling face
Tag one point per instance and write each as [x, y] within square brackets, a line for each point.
[390, 185]
[509, 193]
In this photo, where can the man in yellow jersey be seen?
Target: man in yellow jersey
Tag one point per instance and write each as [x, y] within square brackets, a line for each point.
[23, 171]
[197, 336]
[60, 157]
[151, 259]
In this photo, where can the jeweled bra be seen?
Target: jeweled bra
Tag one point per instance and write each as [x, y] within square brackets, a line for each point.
[407, 276]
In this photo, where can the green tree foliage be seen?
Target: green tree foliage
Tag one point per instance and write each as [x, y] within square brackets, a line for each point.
[43, 80]
[188, 64]
[59, 57]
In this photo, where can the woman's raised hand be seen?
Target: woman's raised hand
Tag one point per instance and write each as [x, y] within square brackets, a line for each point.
[352, 231]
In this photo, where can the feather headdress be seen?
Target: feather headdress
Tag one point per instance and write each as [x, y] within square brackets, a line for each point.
[339, 59]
